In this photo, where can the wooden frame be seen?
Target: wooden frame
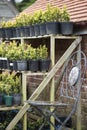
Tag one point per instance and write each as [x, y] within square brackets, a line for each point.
[48, 78]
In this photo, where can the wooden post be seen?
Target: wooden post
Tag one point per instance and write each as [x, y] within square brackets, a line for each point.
[22, 40]
[43, 84]
[78, 125]
[24, 92]
[52, 83]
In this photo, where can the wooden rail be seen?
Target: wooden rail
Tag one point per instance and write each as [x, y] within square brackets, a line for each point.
[44, 83]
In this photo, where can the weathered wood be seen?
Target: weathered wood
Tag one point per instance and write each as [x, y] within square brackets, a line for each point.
[45, 36]
[43, 84]
[78, 123]
[4, 108]
[52, 83]
[24, 92]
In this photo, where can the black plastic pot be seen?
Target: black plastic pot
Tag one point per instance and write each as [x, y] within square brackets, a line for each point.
[14, 32]
[32, 32]
[33, 65]
[17, 99]
[44, 64]
[3, 63]
[21, 65]
[22, 31]
[52, 28]
[8, 32]
[18, 32]
[0, 32]
[3, 33]
[1, 99]
[66, 28]
[37, 30]
[42, 29]
[27, 31]
[12, 65]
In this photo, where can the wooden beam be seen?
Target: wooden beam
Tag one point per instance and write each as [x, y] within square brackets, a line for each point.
[52, 82]
[43, 84]
[24, 93]
[78, 123]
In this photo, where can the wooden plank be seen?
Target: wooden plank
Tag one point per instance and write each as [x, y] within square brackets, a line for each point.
[78, 125]
[3, 108]
[45, 36]
[43, 84]
[52, 83]
[24, 93]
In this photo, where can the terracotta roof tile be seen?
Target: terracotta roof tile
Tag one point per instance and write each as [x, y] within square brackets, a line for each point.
[76, 8]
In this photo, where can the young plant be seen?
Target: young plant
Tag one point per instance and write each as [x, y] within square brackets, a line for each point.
[43, 52]
[65, 17]
[9, 81]
[17, 84]
[33, 53]
[52, 14]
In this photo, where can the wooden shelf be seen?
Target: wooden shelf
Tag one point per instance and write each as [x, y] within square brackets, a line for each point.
[4, 108]
[43, 84]
[45, 36]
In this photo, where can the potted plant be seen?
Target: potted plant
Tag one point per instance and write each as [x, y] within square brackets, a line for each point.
[33, 60]
[7, 79]
[21, 61]
[52, 17]
[11, 88]
[66, 25]
[12, 55]
[44, 62]
[16, 90]
[22, 24]
[17, 57]
[37, 19]
[8, 28]
[8, 98]
[31, 25]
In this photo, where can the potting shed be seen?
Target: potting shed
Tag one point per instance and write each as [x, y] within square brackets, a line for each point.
[60, 48]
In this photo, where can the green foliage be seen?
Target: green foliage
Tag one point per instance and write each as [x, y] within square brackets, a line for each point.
[33, 53]
[34, 125]
[10, 82]
[2, 85]
[23, 20]
[22, 51]
[65, 17]
[3, 125]
[8, 24]
[52, 14]
[3, 49]
[38, 17]
[17, 52]
[43, 52]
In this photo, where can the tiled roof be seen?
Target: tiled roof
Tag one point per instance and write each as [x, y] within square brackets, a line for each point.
[76, 8]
